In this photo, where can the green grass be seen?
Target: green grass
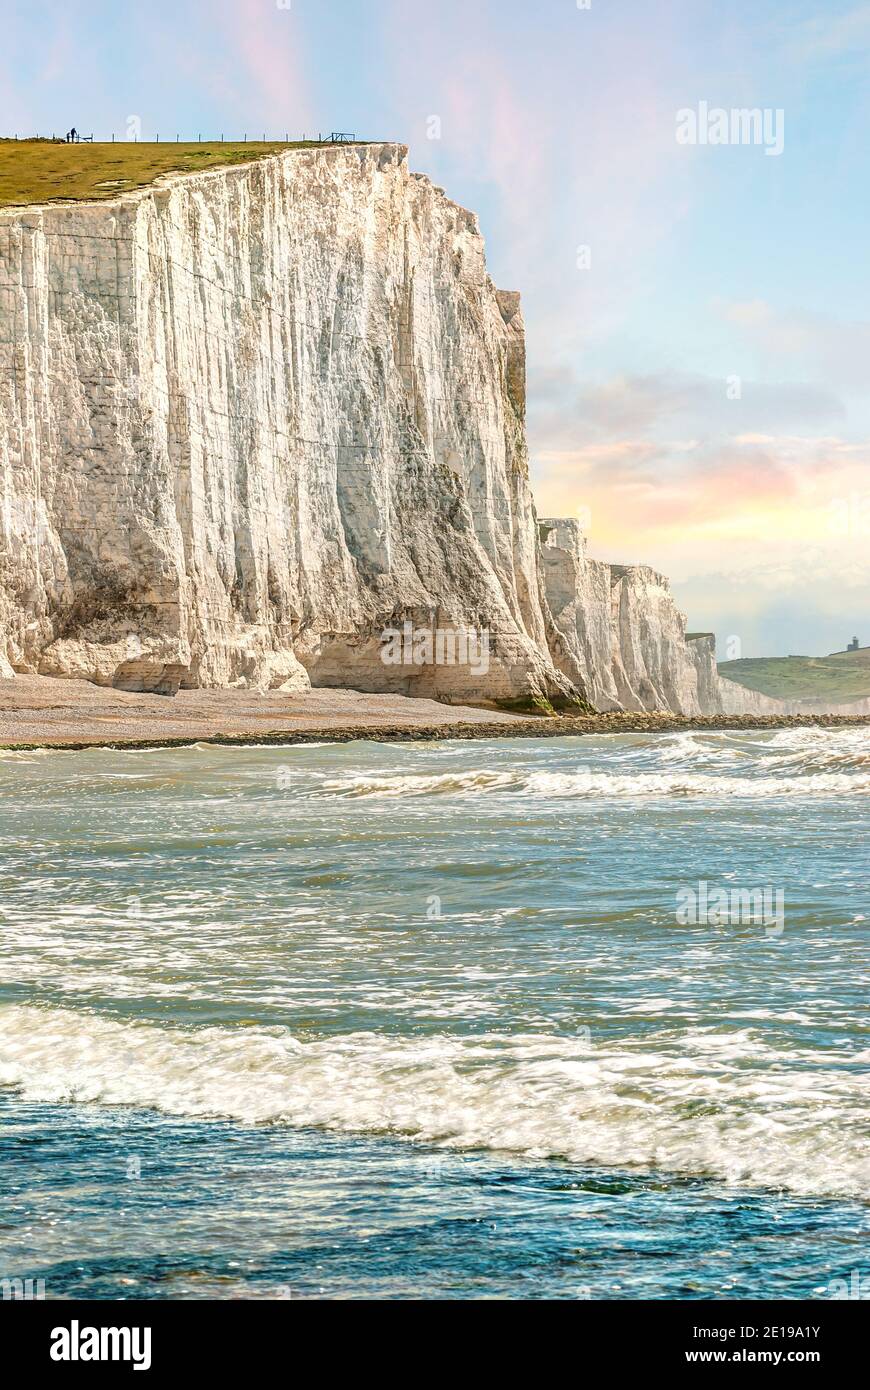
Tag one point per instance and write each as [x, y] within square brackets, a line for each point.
[843, 676]
[43, 171]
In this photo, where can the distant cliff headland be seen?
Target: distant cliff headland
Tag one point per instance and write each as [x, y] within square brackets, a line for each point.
[805, 684]
[255, 416]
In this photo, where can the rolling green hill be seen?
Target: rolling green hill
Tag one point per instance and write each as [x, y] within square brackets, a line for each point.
[842, 676]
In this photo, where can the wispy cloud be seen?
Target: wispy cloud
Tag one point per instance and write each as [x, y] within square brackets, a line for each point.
[831, 35]
[687, 404]
[566, 117]
[834, 350]
[266, 80]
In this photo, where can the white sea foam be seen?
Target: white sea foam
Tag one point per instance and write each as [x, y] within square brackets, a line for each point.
[598, 783]
[721, 1103]
[421, 784]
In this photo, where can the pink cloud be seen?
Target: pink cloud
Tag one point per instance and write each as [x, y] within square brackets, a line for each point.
[259, 79]
[268, 42]
[575, 134]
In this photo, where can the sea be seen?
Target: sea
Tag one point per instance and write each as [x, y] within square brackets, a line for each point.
[547, 1018]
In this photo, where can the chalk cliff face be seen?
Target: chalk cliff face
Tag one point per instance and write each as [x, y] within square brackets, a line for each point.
[622, 632]
[251, 418]
[738, 699]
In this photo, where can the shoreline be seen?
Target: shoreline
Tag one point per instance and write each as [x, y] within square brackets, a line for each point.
[40, 712]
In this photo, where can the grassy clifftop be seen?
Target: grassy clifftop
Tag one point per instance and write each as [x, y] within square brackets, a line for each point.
[42, 171]
[843, 676]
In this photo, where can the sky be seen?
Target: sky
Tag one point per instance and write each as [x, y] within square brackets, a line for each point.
[697, 311]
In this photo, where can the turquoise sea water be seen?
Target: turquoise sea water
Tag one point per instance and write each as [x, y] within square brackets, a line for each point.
[421, 1020]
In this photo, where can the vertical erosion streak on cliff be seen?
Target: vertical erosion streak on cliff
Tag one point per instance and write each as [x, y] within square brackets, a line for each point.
[531, 602]
[23, 345]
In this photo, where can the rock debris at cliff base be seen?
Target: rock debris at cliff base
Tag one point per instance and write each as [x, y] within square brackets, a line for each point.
[43, 712]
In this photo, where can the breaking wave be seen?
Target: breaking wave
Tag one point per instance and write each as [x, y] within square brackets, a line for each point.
[596, 783]
[713, 1102]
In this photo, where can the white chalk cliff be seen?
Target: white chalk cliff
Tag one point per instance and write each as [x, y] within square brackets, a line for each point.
[621, 631]
[253, 417]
